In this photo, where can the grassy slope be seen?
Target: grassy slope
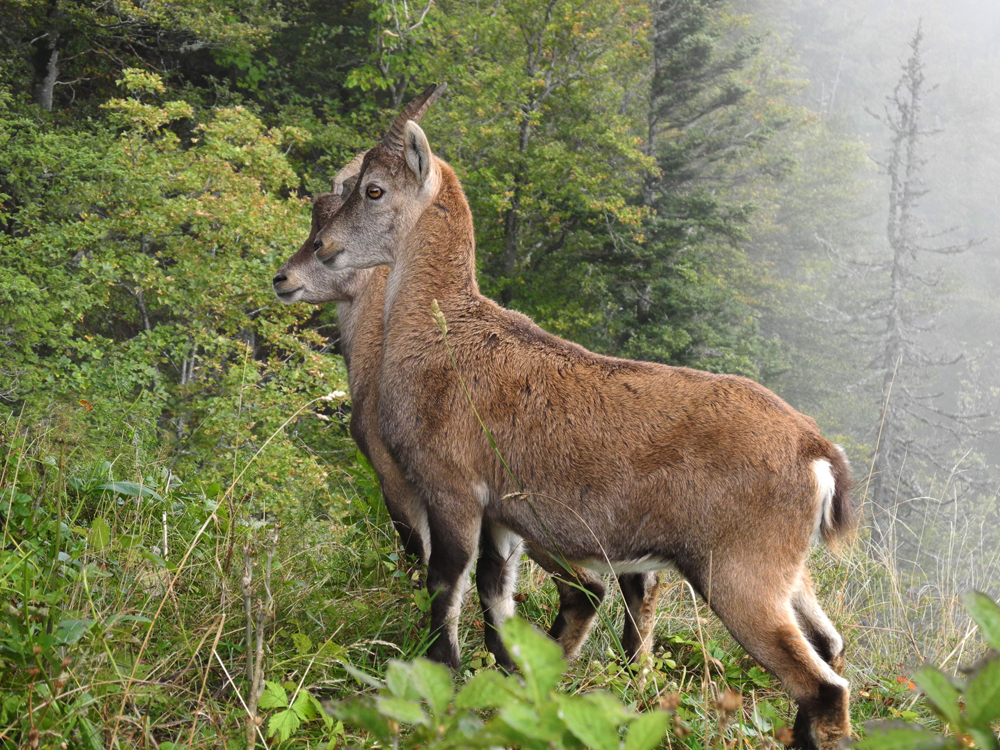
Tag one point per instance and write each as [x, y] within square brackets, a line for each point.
[133, 597]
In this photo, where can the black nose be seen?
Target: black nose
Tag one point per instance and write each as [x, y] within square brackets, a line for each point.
[318, 244]
[279, 278]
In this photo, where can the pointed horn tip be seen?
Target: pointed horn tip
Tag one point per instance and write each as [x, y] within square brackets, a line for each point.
[432, 93]
[414, 110]
[418, 106]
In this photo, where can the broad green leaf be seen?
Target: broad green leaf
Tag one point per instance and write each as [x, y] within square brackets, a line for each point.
[982, 694]
[538, 656]
[283, 723]
[608, 705]
[159, 561]
[70, 632]
[422, 599]
[363, 714]
[433, 682]
[129, 489]
[942, 695]
[897, 736]
[100, 533]
[303, 643]
[986, 613]
[400, 680]
[306, 706]
[541, 722]
[647, 731]
[330, 650]
[588, 722]
[497, 733]
[274, 696]
[488, 689]
[115, 620]
[129, 541]
[401, 709]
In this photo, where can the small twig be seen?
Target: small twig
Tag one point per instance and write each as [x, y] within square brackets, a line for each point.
[264, 615]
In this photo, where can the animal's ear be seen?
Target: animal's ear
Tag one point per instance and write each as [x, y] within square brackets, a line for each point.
[417, 151]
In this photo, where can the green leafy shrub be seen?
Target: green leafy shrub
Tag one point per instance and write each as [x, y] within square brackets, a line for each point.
[528, 710]
[139, 272]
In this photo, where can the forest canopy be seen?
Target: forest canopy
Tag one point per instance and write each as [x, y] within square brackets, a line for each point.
[672, 181]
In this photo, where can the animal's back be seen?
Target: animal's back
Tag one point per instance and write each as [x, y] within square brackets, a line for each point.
[616, 440]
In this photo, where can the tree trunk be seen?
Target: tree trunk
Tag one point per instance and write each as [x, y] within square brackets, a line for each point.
[903, 170]
[46, 68]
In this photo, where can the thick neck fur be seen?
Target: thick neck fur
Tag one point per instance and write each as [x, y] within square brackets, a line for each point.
[437, 261]
[359, 315]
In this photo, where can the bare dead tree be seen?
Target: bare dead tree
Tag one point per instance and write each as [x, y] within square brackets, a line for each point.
[916, 434]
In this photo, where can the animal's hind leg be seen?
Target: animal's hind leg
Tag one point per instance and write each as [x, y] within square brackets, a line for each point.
[496, 579]
[817, 626]
[580, 596]
[641, 592]
[756, 607]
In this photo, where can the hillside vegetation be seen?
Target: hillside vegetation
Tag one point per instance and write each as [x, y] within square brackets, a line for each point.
[193, 551]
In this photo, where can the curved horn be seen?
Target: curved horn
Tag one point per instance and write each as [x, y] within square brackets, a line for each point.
[393, 139]
[351, 170]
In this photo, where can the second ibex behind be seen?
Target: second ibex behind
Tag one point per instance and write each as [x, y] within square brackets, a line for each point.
[606, 463]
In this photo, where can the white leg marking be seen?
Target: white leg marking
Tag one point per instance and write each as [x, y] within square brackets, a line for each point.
[808, 607]
[423, 528]
[481, 491]
[508, 545]
[458, 597]
[825, 670]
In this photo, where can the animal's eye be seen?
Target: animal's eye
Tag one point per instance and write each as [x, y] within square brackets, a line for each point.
[374, 192]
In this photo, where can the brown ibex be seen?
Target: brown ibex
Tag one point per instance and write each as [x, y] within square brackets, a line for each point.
[606, 463]
[360, 296]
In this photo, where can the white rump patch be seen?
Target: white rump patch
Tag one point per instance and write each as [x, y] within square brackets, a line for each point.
[825, 488]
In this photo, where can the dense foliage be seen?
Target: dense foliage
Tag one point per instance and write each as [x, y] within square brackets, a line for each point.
[650, 178]
[616, 183]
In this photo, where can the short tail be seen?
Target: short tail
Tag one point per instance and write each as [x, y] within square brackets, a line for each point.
[838, 511]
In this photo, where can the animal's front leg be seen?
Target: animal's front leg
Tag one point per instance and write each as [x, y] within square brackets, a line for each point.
[454, 528]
